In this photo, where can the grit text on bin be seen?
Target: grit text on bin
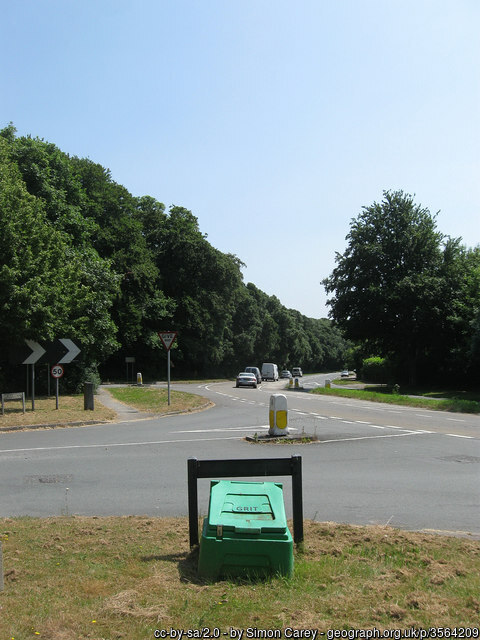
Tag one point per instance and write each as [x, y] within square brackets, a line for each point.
[245, 532]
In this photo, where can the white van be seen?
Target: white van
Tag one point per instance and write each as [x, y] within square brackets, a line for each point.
[269, 371]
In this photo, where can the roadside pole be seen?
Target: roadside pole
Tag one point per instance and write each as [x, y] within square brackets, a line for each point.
[168, 375]
[33, 387]
[168, 338]
[57, 373]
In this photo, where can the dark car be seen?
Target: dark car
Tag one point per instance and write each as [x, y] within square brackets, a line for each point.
[256, 373]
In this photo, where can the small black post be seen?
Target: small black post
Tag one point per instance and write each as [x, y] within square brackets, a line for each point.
[297, 498]
[192, 501]
[88, 402]
[33, 387]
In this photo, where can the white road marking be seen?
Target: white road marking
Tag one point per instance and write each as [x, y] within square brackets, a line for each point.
[112, 445]
[391, 435]
[224, 429]
[455, 435]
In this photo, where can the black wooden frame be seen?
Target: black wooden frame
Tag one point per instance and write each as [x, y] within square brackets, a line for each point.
[245, 468]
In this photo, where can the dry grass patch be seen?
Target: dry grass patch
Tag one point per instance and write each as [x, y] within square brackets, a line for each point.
[72, 578]
[70, 410]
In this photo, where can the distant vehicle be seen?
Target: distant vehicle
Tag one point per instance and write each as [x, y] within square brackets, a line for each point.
[256, 373]
[245, 379]
[345, 374]
[269, 371]
[285, 374]
[297, 372]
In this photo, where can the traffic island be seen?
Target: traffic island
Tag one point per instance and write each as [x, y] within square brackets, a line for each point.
[266, 438]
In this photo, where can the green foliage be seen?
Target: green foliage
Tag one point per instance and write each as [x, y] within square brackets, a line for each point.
[50, 286]
[82, 258]
[375, 370]
[403, 289]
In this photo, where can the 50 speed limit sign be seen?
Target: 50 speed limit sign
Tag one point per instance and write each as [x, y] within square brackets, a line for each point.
[57, 371]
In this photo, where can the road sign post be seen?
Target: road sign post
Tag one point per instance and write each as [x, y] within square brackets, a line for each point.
[33, 387]
[168, 338]
[57, 373]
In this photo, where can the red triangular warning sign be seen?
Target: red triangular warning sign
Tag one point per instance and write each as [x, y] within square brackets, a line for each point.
[168, 338]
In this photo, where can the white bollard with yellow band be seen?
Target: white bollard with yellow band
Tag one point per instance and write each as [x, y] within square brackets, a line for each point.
[278, 415]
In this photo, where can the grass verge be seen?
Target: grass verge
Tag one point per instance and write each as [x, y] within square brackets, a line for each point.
[73, 578]
[451, 403]
[156, 400]
[70, 409]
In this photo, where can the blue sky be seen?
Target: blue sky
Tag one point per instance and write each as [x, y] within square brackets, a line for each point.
[273, 121]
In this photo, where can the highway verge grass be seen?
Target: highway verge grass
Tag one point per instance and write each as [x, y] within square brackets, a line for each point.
[155, 400]
[70, 410]
[449, 401]
[73, 578]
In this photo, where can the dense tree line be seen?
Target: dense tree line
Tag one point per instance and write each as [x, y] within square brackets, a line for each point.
[404, 291]
[80, 257]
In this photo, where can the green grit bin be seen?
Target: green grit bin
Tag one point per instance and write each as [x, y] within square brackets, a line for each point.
[245, 532]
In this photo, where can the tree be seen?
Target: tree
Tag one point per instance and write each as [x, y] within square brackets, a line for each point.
[48, 287]
[81, 257]
[121, 239]
[203, 281]
[34, 277]
[388, 286]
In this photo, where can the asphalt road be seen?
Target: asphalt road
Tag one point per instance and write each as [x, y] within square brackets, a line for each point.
[372, 464]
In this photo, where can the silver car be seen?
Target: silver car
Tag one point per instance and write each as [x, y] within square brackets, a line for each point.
[245, 379]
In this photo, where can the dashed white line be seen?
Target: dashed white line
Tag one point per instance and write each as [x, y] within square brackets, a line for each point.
[456, 435]
[391, 435]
